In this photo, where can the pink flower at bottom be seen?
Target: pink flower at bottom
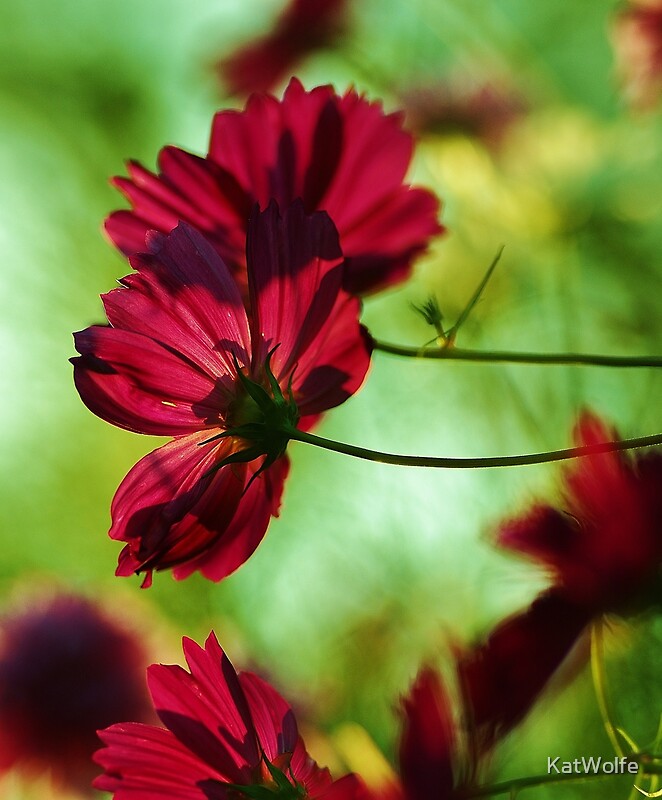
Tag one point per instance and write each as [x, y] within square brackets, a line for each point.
[222, 731]
[178, 359]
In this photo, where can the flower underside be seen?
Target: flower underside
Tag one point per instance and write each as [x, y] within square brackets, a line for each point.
[260, 416]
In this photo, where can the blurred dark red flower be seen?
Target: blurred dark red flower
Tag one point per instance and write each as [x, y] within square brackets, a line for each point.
[637, 38]
[604, 545]
[427, 753]
[442, 750]
[342, 155]
[484, 110]
[304, 27]
[66, 669]
[502, 677]
[179, 359]
[222, 728]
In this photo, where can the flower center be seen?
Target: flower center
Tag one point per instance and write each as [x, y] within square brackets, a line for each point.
[243, 410]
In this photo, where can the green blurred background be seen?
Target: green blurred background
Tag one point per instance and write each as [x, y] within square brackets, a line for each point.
[370, 569]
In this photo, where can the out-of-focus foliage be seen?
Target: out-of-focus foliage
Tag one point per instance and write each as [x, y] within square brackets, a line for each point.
[370, 569]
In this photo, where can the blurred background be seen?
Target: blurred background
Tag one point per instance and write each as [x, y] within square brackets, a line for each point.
[539, 129]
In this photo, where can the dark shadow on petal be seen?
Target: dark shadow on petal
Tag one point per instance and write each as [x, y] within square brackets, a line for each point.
[220, 748]
[325, 155]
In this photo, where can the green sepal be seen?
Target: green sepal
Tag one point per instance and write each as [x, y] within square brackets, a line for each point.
[267, 436]
[431, 313]
[284, 789]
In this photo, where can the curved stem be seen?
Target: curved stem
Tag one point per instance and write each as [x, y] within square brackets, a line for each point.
[471, 463]
[600, 684]
[501, 356]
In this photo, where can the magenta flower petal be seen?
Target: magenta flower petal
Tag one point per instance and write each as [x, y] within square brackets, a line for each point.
[142, 762]
[140, 385]
[246, 530]
[165, 365]
[272, 717]
[171, 511]
[338, 154]
[298, 302]
[169, 364]
[343, 365]
[219, 726]
[206, 710]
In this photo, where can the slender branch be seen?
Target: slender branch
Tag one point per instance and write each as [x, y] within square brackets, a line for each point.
[452, 333]
[600, 684]
[503, 356]
[471, 463]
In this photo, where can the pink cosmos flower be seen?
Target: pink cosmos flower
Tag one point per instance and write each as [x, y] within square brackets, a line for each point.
[184, 357]
[66, 669]
[603, 546]
[483, 109]
[342, 155]
[223, 731]
[304, 27]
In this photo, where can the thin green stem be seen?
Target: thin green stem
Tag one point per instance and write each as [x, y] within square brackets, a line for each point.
[471, 463]
[452, 333]
[501, 356]
[600, 684]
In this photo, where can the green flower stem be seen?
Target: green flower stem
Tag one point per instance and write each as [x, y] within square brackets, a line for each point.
[600, 684]
[471, 463]
[500, 356]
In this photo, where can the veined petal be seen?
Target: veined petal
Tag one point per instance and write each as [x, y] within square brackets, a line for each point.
[336, 362]
[338, 154]
[273, 719]
[400, 228]
[138, 384]
[194, 300]
[171, 509]
[187, 187]
[259, 502]
[207, 711]
[219, 727]
[294, 278]
[316, 779]
[144, 762]
[167, 364]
